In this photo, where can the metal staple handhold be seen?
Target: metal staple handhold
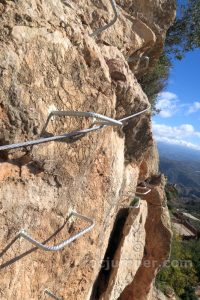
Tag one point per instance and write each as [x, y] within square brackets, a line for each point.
[100, 30]
[105, 121]
[146, 190]
[49, 293]
[23, 234]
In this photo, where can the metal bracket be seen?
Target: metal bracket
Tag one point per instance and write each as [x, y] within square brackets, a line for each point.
[49, 293]
[145, 189]
[104, 121]
[23, 234]
[100, 30]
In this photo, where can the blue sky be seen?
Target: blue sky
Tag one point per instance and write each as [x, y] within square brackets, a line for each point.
[179, 119]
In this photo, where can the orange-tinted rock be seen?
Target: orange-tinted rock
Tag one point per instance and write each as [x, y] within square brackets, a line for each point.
[49, 62]
[8, 170]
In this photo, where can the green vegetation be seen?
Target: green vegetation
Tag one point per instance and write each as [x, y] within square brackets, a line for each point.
[183, 271]
[135, 201]
[183, 36]
[171, 192]
[172, 195]
[195, 224]
[154, 82]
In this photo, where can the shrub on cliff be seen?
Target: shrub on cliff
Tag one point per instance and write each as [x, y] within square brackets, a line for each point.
[155, 81]
[184, 35]
[180, 273]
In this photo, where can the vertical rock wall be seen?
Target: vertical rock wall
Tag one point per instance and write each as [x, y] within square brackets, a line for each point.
[48, 61]
[157, 244]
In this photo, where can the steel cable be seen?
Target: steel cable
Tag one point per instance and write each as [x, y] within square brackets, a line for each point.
[50, 294]
[23, 234]
[106, 121]
[100, 30]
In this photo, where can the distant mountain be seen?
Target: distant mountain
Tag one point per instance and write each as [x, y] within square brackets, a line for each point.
[176, 152]
[181, 166]
[181, 172]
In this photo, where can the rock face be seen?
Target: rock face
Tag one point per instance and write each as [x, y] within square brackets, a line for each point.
[144, 246]
[48, 62]
[129, 253]
[157, 244]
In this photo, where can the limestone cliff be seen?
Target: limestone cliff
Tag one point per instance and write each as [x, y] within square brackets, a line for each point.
[49, 61]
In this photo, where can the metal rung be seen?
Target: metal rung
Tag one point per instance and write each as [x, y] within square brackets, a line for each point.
[100, 30]
[104, 121]
[23, 234]
[146, 190]
[49, 293]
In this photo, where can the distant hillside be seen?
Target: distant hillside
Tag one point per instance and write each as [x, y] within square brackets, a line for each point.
[183, 173]
[179, 153]
[181, 168]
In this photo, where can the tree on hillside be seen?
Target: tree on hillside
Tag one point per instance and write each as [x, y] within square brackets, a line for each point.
[179, 275]
[155, 81]
[184, 34]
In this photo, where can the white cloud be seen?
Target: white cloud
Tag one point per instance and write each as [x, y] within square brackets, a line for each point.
[167, 104]
[178, 142]
[179, 135]
[194, 107]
